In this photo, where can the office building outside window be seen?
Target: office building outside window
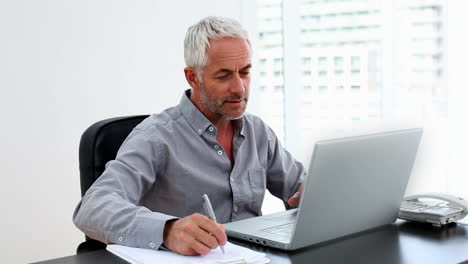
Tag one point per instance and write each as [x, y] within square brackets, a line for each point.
[270, 64]
[330, 68]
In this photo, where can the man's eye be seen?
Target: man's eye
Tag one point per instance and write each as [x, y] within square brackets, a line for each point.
[245, 73]
[223, 77]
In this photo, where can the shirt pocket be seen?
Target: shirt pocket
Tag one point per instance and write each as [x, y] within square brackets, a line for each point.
[257, 179]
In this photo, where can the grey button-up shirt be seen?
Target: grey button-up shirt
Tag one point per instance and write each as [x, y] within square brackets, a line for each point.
[166, 165]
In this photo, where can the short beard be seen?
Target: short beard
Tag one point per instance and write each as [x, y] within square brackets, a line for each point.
[216, 106]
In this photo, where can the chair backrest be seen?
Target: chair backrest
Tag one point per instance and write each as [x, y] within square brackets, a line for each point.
[98, 145]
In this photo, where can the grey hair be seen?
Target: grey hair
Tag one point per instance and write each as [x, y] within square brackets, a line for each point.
[198, 36]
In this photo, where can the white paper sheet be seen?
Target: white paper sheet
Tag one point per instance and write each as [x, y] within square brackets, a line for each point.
[234, 255]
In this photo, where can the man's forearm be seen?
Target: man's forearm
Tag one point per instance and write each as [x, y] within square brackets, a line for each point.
[107, 217]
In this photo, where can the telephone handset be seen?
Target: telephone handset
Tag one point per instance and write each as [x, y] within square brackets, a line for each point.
[436, 208]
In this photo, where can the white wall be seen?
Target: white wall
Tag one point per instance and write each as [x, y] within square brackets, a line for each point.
[63, 66]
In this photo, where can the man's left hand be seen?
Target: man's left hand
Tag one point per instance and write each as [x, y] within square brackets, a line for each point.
[294, 200]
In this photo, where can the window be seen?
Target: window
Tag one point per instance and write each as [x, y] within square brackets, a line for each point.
[270, 54]
[342, 67]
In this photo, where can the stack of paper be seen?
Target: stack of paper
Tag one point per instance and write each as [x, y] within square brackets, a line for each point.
[234, 255]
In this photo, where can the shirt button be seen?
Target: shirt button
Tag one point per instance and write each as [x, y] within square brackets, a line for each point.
[232, 179]
[235, 208]
[199, 131]
[216, 146]
[211, 129]
[220, 152]
[120, 239]
[151, 245]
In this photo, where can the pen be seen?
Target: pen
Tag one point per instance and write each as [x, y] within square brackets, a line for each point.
[210, 212]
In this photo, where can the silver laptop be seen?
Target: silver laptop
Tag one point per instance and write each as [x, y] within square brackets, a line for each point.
[353, 184]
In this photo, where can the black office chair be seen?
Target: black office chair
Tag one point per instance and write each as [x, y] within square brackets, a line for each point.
[99, 144]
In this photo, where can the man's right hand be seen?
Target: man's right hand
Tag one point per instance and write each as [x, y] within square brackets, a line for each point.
[193, 235]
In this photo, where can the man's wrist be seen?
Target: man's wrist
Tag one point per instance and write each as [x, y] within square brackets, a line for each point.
[167, 228]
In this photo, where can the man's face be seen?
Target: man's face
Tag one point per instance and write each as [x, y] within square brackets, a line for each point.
[224, 87]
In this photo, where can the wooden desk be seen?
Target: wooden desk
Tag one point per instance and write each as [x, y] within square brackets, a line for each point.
[401, 242]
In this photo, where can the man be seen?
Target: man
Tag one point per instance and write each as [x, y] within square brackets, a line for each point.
[150, 196]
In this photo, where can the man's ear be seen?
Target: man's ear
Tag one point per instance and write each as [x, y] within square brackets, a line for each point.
[192, 77]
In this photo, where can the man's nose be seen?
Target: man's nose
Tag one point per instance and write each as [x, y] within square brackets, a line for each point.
[237, 86]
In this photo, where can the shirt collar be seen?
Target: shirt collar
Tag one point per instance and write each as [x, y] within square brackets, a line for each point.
[239, 125]
[197, 119]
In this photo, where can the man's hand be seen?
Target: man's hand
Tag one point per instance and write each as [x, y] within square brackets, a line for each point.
[294, 200]
[193, 235]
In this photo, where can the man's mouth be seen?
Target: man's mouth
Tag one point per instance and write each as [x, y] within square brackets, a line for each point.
[235, 102]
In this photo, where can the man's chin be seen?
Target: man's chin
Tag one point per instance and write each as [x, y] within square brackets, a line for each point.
[233, 116]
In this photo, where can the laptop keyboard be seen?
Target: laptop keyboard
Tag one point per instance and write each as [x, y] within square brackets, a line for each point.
[283, 218]
[286, 217]
[282, 230]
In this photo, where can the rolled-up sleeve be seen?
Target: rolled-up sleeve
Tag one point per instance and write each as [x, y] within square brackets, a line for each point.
[109, 211]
